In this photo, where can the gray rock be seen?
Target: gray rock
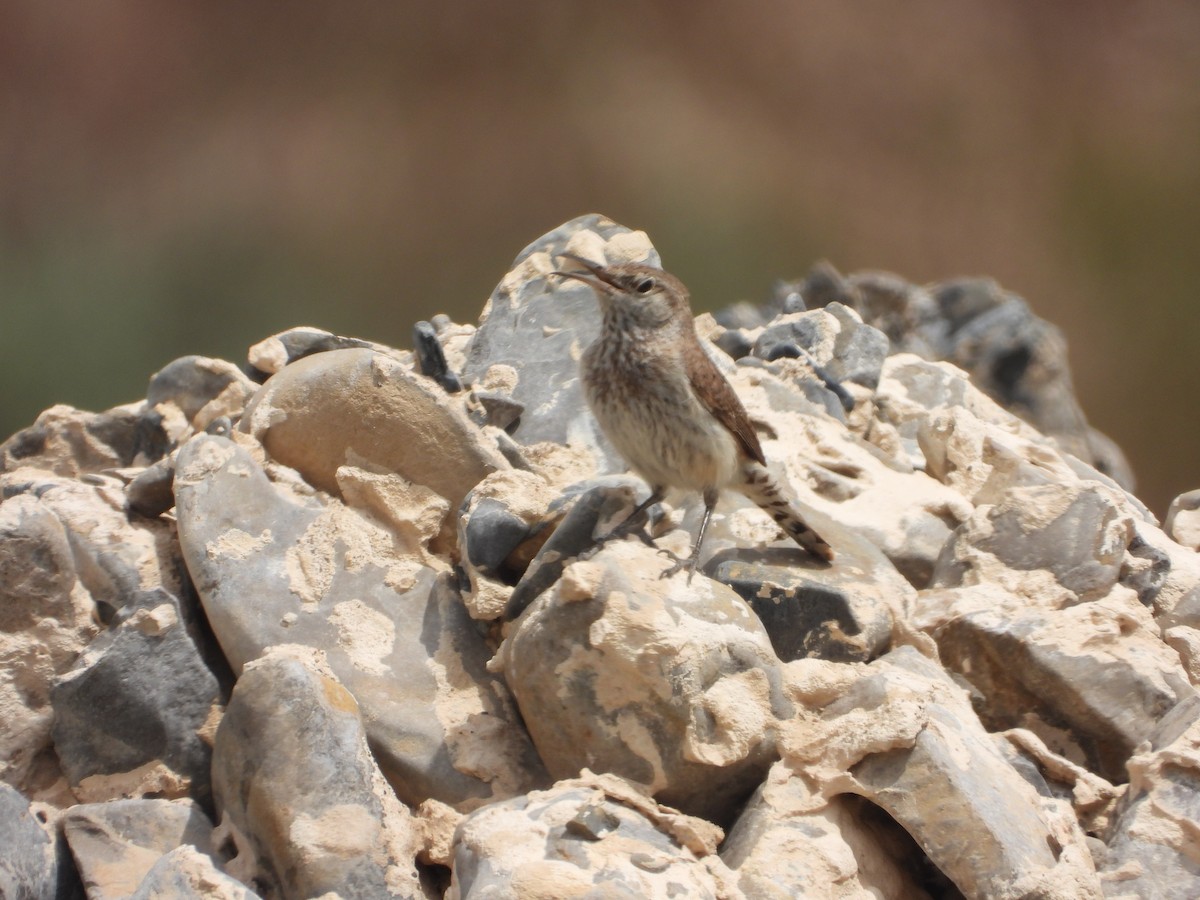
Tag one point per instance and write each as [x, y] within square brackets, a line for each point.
[28, 865]
[70, 442]
[492, 533]
[536, 324]
[834, 612]
[835, 338]
[588, 837]
[929, 764]
[46, 619]
[666, 684]
[1151, 848]
[394, 631]
[152, 491]
[131, 716]
[787, 843]
[1073, 531]
[1183, 520]
[270, 355]
[431, 360]
[364, 408]
[187, 874]
[296, 784]
[115, 844]
[607, 499]
[201, 389]
[1091, 680]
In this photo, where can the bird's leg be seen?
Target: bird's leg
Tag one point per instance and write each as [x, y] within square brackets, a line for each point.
[710, 500]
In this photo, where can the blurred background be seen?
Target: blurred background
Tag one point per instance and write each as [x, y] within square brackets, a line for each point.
[189, 178]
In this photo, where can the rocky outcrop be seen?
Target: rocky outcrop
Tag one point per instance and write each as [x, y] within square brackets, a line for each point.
[338, 622]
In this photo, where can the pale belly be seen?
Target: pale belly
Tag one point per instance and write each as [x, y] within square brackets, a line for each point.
[667, 437]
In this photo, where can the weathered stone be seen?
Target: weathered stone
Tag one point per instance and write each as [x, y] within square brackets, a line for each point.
[46, 619]
[904, 737]
[270, 355]
[908, 516]
[151, 492]
[842, 611]
[1091, 680]
[605, 500]
[594, 836]
[835, 339]
[133, 714]
[501, 526]
[431, 359]
[187, 874]
[394, 631]
[1075, 532]
[28, 865]
[1153, 849]
[115, 844]
[116, 553]
[70, 442]
[202, 389]
[787, 843]
[364, 408]
[299, 792]
[672, 686]
[535, 325]
[1183, 520]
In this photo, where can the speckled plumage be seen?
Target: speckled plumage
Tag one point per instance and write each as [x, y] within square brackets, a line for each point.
[665, 405]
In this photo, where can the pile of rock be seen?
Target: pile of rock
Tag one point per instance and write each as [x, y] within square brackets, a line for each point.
[339, 626]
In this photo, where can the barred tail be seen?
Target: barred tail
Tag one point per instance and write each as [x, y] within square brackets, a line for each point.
[760, 487]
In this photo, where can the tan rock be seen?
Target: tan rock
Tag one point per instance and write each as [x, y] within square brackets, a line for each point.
[359, 407]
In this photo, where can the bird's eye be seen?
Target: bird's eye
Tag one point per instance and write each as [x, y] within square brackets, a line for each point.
[645, 286]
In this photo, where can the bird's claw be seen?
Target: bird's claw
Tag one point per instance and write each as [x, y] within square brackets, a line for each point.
[679, 564]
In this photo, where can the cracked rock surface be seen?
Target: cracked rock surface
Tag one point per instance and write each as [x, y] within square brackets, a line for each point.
[336, 621]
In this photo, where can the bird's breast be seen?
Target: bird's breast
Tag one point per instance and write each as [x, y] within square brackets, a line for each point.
[646, 406]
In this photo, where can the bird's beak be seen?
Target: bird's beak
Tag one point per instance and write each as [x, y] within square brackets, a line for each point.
[593, 277]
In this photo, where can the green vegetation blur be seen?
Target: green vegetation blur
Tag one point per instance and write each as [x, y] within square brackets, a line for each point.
[190, 178]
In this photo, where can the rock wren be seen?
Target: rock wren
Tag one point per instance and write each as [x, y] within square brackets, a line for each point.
[667, 408]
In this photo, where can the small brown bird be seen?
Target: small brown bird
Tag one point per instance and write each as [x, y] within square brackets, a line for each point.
[665, 405]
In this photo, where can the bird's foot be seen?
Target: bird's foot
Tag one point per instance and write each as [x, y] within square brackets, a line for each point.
[679, 564]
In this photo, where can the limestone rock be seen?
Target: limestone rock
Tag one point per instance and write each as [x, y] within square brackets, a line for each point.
[187, 874]
[501, 526]
[45, 621]
[669, 685]
[1015, 357]
[115, 844]
[907, 515]
[132, 716]
[1075, 533]
[1091, 680]
[834, 338]
[270, 355]
[28, 865]
[364, 408]
[786, 843]
[1183, 520]
[393, 630]
[904, 737]
[201, 389]
[1152, 850]
[842, 612]
[592, 509]
[594, 836]
[535, 326]
[299, 792]
[70, 442]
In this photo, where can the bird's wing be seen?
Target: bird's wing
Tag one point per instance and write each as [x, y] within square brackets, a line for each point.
[715, 393]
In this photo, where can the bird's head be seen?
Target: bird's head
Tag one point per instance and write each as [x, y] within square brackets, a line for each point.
[644, 295]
